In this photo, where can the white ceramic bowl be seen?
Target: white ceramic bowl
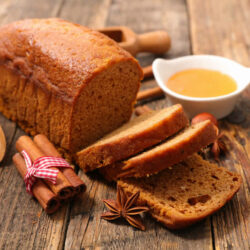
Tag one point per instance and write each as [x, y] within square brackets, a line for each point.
[219, 106]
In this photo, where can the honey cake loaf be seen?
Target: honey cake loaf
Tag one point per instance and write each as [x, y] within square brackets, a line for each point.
[168, 153]
[186, 193]
[65, 81]
[133, 137]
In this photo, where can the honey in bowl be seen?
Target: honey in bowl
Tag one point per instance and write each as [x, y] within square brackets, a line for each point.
[201, 83]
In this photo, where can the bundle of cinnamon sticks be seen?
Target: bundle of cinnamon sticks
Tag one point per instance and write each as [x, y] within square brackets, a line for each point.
[49, 195]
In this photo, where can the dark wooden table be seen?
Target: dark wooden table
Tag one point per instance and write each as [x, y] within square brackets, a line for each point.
[219, 27]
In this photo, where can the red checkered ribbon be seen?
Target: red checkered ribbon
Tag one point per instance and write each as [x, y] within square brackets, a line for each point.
[40, 169]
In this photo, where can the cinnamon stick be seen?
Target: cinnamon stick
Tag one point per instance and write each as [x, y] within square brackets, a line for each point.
[149, 93]
[147, 71]
[63, 188]
[45, 197]
[142, 110]
[49, 150]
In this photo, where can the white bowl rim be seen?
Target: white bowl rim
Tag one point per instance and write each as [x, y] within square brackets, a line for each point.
[163, 86]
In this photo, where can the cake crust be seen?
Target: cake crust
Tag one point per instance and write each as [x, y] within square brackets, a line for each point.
[164, 155]
[53, 52]
[52, 72]
[133, 137]
[185, 194]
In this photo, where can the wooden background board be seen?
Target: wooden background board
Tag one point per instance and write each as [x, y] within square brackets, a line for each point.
[196, 27]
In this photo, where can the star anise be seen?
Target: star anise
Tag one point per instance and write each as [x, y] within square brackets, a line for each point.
[218, 146]
[125, 207]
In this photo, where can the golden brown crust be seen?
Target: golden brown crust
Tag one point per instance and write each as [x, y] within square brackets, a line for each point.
[153, 163]
[53, 52]
[170, 121]
[46, 67]
[220, 190]
[165, 155]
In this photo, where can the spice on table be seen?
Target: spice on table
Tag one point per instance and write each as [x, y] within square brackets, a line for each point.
[44, 172]
[48, 200]
[49, 150]
[218, 146]
[203, 117]
[125, 207]
[150, 93]
[62, 187]
[142, 110]
[147, 71]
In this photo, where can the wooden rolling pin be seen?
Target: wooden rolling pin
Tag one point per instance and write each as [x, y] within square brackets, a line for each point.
[157, 42]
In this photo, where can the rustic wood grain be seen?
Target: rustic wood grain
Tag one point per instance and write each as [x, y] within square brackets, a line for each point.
[89, 13]
[23, 224]
[12, 10]
[221, 29]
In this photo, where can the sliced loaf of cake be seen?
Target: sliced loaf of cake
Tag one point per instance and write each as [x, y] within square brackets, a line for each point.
[65, 81]
[186, 193]
[133, 137]
[174, 150]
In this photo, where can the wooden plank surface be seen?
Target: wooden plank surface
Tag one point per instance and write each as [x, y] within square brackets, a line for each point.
[220, 28]
[89, 13]
[224, 24]
[23, 224]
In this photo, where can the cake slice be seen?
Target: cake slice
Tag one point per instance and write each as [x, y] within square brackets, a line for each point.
[174, 150]
[135, 136]
[186, 193]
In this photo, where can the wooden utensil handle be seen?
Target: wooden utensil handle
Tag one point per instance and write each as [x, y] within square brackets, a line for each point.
[157, 42]
[2, 144]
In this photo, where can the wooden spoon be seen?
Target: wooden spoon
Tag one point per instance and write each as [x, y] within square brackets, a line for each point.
[2, 144]
[157, 42]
